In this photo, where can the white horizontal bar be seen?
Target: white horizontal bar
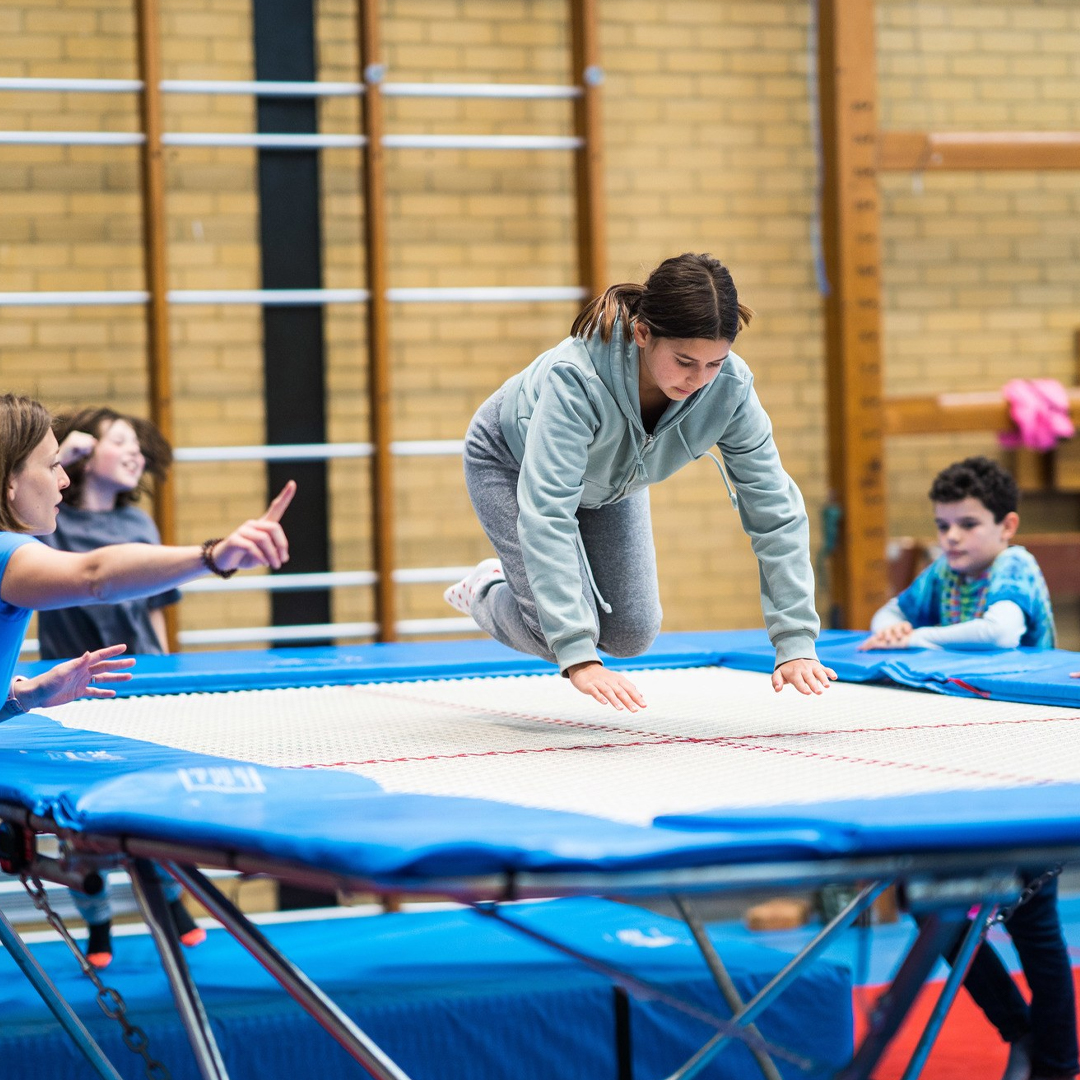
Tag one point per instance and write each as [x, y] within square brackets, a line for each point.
[300, 297]
[314, 631]
[318, 451]
[94, 86]
[82, 298]
[482, 142]
[428, 448]
[425, 575]
[283, 582]
[286, 452]
[261, 88]
[479, 90]
[269, 297]
[481, 295]
[269, 88]
[270, 141]
[292, 142]
[71, 138]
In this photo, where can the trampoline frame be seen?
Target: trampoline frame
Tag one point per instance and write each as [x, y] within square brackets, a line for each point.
[942, 886]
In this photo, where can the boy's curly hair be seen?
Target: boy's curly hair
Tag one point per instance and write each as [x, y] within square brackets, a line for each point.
[980, 478]
[95, 421]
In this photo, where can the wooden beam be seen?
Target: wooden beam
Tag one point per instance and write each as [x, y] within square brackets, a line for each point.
[152, 174]
[976, 411]
[591, 212]
[852, 246]
[378, 321]
[916, 151]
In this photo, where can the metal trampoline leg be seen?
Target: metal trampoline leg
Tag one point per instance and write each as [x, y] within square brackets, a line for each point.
[52, 997]
[723, 981]
[151, 898]
[783, 978]
[299, 987]
[893, 1006]
[972, 940]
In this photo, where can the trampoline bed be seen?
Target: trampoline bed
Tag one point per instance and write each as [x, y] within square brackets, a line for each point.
[491, 783]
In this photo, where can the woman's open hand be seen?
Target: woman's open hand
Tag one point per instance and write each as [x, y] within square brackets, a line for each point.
[81, 677]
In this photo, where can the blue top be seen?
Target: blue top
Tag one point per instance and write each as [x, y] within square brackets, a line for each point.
[13, 619]
[940, 596]
[74, 630]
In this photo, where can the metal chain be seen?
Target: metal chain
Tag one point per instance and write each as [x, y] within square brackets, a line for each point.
[1029, 890]
[108, 998]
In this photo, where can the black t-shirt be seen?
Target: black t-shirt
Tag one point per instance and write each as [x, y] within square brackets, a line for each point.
[72, 631]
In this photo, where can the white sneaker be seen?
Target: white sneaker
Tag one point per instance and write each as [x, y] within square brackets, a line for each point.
[462, 594]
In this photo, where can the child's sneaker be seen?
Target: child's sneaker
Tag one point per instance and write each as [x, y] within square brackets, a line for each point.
[462, 594]
[191, 934]
[99, 945]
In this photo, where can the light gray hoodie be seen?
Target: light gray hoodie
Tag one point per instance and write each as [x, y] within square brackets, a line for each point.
[572, 419]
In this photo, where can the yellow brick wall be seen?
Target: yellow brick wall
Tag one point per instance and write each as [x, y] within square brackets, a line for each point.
[708, 146]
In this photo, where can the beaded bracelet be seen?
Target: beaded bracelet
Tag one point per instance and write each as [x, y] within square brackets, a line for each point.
[208, 558]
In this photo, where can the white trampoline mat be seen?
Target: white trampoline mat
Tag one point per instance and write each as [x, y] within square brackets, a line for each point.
[709, 737]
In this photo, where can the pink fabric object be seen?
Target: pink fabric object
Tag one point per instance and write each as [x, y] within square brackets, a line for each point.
[1040, 410]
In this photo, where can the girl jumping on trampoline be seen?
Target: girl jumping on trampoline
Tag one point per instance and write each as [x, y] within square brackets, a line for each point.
[559, 459]
[35, 577]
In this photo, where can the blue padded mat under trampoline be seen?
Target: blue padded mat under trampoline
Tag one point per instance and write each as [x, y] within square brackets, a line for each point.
[450, 995]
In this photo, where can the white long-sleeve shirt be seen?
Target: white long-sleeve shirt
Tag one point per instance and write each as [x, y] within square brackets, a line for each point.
[1001, 627]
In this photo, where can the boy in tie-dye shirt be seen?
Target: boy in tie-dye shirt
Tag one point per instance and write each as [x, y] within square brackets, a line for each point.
[980, 593]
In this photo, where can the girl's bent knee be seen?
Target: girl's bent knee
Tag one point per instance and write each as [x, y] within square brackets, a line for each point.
[630, 640]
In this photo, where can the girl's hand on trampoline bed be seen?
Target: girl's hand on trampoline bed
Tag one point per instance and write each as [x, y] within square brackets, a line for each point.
[807, 676]
[260, 541]
[608, 687]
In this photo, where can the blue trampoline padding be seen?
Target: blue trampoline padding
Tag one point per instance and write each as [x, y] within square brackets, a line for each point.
[449, 995]
[943, 821]
[1038, 677]
[270, 669]
[1024, 675]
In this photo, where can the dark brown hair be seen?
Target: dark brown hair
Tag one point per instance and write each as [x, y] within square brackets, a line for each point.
[96, 421]
[686, 296]
[978, 478]
[23, 424]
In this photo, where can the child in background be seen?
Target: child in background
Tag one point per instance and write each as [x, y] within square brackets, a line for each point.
[108, 458]
[982, 594]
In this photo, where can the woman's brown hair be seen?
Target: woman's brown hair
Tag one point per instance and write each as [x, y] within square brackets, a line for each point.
[686, 296]
[96, 421]
[23, 424]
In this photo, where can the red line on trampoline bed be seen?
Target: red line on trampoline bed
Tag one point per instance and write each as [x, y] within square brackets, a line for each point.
[720, 741]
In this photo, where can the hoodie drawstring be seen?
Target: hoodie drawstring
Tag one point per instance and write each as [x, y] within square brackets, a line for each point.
[727, 483]
[589, 574]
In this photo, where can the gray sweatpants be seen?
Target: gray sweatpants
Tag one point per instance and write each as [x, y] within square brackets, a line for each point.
[617, 539]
